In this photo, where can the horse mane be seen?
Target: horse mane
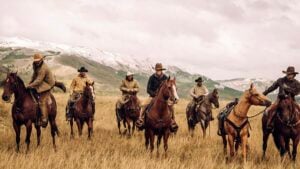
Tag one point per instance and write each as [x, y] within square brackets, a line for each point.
[160, 86]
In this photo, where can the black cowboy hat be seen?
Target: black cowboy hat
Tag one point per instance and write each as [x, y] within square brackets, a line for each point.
[290, 71]
[199, 79]
[82, 69]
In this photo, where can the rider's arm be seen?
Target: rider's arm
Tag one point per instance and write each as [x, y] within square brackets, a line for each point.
[274, 86]
[72, 86]
[123, 87]
[149, 87]
[39, 79]
[192, 93]
[206, 91]
[136, 87]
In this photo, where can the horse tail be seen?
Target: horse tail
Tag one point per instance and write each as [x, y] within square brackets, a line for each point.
[61, 86]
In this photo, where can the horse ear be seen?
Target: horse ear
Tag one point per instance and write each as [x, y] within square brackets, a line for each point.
[169, 78]
[251, 86]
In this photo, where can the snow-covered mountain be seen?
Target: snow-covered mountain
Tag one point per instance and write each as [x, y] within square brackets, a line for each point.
[114, 60]
[242, 84]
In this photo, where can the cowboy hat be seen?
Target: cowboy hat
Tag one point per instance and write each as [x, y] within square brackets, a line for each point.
[159, 67]
[38, 57]
[83, 69]
[129, 74]
[290, 71]
[199, 79]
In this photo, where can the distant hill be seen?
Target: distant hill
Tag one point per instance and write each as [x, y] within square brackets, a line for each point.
[108, 73]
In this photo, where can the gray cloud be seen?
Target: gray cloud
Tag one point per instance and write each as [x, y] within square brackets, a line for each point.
[221, 39]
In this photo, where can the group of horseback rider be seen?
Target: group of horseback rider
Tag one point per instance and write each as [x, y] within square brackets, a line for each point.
[43, 81]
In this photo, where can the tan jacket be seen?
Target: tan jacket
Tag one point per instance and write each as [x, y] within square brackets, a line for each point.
[78, 84]
[129, 86]
[42, 79]
[197, 91]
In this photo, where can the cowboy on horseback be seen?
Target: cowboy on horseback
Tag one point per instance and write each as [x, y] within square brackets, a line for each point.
[288, 86]
[76, 90]
[198, 92]
[41, 84]
[129, 86]
[154, 83]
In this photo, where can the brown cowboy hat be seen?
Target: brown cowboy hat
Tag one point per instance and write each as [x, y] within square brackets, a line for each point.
[38, 57]
[290, 71]
[159, 67]
[199, 79]
[83, 69]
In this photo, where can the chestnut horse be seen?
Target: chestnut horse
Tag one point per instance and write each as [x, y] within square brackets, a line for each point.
[236, 124]
[286, 128]
[158, 118]
[202, 113]
[25, 109]
[131, 111]
[83, 111]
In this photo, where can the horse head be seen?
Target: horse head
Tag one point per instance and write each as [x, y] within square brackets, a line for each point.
[11, 84]
[256, 98]
[286, 109]
[89, 91]
[169, 90]
[214, 98]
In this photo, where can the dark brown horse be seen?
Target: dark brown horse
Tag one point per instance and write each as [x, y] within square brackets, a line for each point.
[202, 114]
[131, 111]
[25, 109]
[83, 111]
[158, 118]
[286, 128]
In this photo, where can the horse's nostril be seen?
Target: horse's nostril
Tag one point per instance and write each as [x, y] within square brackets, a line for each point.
[5, 98]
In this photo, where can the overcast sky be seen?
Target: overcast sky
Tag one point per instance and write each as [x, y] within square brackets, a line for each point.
[221, 39]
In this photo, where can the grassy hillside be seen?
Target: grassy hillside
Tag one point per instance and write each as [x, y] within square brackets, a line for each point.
[107, 78]
[108, 149]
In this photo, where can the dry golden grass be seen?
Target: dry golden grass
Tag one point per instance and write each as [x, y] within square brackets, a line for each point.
[109, 150]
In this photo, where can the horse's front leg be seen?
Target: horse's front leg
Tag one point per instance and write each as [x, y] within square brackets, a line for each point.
[231, 145]
[244, 140]
[28, 134]
[17, 129]
[282, 147]
[38, 134]
[78, 126]
[166, 137]
[266, 135]
[128, 126]
[147, 138]
[71, 126]
[151, 134]
[202, 123]
[295, 146]
[90, 128]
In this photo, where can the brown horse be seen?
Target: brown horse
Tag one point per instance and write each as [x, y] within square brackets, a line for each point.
[25, 110]
[286, 128]
[203, 112]
[83, 111]
[158, 118]
[131, 111]
[236, 124]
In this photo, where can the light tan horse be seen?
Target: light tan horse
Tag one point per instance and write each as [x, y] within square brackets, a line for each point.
[236, 124]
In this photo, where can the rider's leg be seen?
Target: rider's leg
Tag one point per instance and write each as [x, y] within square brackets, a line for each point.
[119, 109]
[44, 108]
[271, 111]
[174, 126]
[144, 107]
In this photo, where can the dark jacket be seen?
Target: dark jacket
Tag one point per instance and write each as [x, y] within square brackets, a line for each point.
[154, 82]
[286, 87]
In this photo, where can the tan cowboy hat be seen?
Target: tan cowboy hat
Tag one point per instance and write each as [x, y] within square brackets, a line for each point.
[159, 67]
[290, 71]
[37, 57]
[129, 74]
[199, 79]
